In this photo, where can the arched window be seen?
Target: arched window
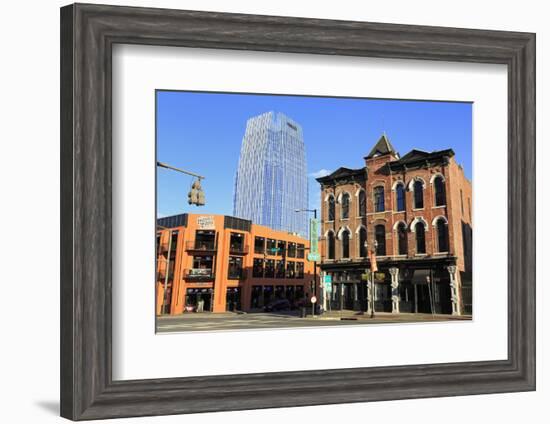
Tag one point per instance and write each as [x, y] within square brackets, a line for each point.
[442, 235]
[400, 197]
[420, 237]
[418, 188]
[331, 208]
[439, 189]
[330, 245]
[379, 199]
[345, 244]
[380, 237]
[362, 204]
[345, 206]
[362, 242]
[402, 242]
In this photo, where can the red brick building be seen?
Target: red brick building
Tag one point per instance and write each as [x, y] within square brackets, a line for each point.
[415, 212]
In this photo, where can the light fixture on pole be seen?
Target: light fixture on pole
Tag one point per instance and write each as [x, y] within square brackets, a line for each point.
[373, 269]
[196, 195]
[311, 242]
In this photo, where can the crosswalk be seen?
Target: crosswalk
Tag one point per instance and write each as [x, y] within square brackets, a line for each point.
[184, 324]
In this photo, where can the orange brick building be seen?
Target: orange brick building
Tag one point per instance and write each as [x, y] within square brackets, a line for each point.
[415, 212]
[220, 263]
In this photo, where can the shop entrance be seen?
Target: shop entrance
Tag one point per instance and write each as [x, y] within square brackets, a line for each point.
[343, 296]
[233, 299]
[268, 295]
[198, 300]
[256, 299]
[443, 298]
[423, 299]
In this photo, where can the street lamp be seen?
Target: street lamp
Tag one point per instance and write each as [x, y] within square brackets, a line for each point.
[373, 253]
[314, 262]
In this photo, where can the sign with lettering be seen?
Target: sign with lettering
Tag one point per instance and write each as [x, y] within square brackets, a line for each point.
[313, 257]
[314, 236]
[379, 276]
[205, 223]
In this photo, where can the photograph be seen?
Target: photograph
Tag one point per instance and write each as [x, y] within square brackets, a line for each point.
[293, 211]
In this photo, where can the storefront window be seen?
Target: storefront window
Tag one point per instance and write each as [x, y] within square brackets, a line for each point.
[291, 250]
[271, 246]
[290, 269]
[299, 270]
[235, 267]
[205, 240]
[233, 299]
[236, 243]
[258, 268]
[281, 245]
[259, 245]
[280, 269]
[269, 268]
[268, 294]
[202, 265]
[256, 299]
[198, 300]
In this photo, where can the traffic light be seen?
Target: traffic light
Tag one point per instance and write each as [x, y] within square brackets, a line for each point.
[196, 195]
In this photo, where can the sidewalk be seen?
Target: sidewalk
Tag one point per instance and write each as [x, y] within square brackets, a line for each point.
[390, 317]
[328, 315]
[207, 314]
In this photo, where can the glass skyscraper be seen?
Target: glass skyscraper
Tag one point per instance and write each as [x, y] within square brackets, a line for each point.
[271, 179]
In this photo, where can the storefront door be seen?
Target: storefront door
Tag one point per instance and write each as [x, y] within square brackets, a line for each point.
[233, 299]
[198, 300]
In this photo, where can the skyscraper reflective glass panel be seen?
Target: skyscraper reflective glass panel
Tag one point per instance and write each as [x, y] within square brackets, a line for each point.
[271, 178]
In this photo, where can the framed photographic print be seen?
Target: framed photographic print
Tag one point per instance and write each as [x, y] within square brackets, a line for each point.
[301, 211]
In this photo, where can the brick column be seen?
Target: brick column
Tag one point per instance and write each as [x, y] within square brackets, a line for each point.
[394, 272]
[454, 289]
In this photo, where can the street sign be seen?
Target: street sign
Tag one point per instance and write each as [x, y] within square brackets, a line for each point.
[314, 236]
[313, 299]
[379, 276]
[314, 257]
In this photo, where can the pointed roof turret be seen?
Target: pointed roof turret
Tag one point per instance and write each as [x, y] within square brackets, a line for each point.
[382, 147]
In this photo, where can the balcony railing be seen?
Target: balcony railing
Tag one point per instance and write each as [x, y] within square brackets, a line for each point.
[236, 249]
[237, 274]
[199, 245]
[199, 274]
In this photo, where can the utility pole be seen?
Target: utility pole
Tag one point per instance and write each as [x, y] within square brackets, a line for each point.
[373, 269]
[314, 291]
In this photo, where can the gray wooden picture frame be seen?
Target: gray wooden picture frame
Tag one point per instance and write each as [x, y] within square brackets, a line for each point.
[88, 33]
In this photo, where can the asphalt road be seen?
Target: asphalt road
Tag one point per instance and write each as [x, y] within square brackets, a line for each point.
[254, 321]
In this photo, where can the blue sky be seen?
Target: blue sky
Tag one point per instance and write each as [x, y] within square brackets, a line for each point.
[202, 133]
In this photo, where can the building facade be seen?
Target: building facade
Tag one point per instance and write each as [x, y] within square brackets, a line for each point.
[271, 177]
[415, 213]
[217, 263]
